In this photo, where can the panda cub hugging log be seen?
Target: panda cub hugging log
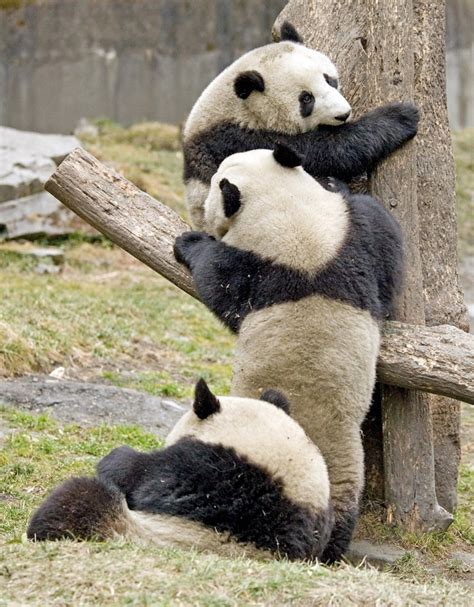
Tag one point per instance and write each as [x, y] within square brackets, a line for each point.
[237, 477]
[289, 93]
[304, 275]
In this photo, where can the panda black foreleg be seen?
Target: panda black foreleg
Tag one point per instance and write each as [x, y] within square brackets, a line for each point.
[224, 276]
[355, 148]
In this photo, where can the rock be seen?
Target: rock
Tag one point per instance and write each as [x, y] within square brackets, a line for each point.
[377, 555]
[85, 129]
[37, 145]
[26, 161]
[53, 254]
[35, 215]
[91, 404]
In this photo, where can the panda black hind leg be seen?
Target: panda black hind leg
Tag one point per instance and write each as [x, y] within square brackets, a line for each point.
[81, 508]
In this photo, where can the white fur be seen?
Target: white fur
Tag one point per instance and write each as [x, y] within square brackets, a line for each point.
[287, 70]
[298, 222]
[164, 531]
[322, 354]
[268, 437]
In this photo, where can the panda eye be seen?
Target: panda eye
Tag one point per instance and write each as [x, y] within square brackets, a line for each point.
[306, 98]
[331, 81]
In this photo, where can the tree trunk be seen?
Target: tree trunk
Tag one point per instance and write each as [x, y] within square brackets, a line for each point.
[386, 52]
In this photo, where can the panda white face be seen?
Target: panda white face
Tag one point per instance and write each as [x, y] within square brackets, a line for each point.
[289, 87]
[264, 202]
[282, 87]
[265, 434]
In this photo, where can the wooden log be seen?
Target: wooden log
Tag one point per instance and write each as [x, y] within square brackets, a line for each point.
[432, 359]
[436, 359]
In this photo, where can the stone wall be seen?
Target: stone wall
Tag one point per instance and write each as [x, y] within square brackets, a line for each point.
[128, 60]
[460, 62]
[133, 60]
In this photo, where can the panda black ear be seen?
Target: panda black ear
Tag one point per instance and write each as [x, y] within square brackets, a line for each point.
[286, 156]
[288, 32]
[247, 82]
[231, 197]
[205, 403]
[276, 398]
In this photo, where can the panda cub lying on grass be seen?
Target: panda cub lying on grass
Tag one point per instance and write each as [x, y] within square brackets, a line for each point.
[304, 275]
[237, 477]
[290, 93]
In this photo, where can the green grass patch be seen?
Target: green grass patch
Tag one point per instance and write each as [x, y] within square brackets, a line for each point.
[40, 454]
[107, 312]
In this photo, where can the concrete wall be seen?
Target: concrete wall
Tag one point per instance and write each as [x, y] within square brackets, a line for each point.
[129, 60]
[133, 60]
[460, 62]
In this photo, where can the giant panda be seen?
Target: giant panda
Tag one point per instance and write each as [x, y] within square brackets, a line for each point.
[237, 477]
[305, 275]
[287, 92]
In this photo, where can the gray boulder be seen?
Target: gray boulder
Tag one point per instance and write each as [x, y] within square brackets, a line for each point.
[26, 161]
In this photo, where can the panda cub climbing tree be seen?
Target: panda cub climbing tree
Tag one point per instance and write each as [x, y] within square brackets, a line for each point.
[289, 93]
[304, 275]
[237, 477]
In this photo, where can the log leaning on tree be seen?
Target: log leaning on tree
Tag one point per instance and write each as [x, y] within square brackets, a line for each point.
[433, 359]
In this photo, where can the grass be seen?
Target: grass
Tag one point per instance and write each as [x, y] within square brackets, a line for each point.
[106, 313]
[39, 453]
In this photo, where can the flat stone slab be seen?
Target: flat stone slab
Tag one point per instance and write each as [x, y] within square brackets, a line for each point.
[27, 160]
[91, 404]
[377, 555]
[34, 215]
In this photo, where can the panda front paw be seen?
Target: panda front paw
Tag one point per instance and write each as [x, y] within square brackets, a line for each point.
[185, 243]
[407, 116]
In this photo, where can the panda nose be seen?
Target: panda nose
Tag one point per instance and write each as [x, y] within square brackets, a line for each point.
[343, 117]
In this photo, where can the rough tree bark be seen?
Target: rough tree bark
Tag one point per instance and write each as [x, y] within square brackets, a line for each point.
[440, 359]
[390, 51]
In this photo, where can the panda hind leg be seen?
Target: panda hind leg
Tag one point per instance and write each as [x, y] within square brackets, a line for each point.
[345, 461]
[341, 535]
[81, 508]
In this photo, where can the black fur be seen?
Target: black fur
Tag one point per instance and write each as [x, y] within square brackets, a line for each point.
[288, 32]
[341, 536]
[213, 485]
[366, 273]
[277, 398]
[331, 81]
[247, 82]
[231, 197]
[81, 508]
[345, 152]
[286, 156]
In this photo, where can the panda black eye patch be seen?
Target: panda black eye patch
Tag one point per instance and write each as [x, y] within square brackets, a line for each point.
[306, 100]
[331, 81]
